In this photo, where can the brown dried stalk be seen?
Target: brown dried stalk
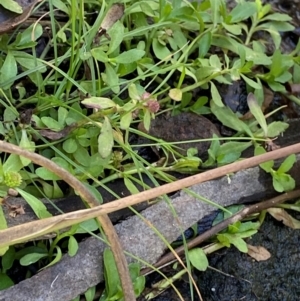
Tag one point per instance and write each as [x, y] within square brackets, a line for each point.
[103, 219]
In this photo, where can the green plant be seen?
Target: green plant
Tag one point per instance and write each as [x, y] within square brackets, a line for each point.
[88, 95]
[113, 290]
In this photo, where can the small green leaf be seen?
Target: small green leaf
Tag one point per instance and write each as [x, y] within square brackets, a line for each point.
[283, 182]
[30, 34]
[51, 123]
[46, 175]
[112, 280]
[278, 17]
[130, 186]
[105, 139]
[36, 205]
[228, 118]
[198, 259]
[13, 163]
[215, 62]
[4, 251]
[87, 226]
[8, 70]
[234, 29]
[99, 55]
[57, 258]
[216, 98]
[126, 121]
[175, 94]
[242, 12]
[266, 166]
[129, 56]
[147, 120]
[98, 102]
[72, 246]
[62, 114]
[29, 62]
[160, 51]
[133, 93]
[251, 82]
[240, 244]
[233, 147]
[287, 164]
[8, 258]
[26, 144]
[70, 146]
[256, 111]
[111, 78]
[276, 128]
[31, 258]
[204, 44]
[12, 5]
[116, 33]
[5, 282]
[82, 156]
[90, 293]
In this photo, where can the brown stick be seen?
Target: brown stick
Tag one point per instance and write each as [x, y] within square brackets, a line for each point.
[103, 219]
[168, 258]
[15, 234]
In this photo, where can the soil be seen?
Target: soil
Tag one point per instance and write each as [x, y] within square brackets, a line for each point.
[183, 127]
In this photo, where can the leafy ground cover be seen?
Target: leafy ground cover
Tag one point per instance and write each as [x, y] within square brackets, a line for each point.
[76, 92]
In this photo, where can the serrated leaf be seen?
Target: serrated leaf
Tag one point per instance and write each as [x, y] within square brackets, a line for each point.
[105, 139]
[198, 259]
